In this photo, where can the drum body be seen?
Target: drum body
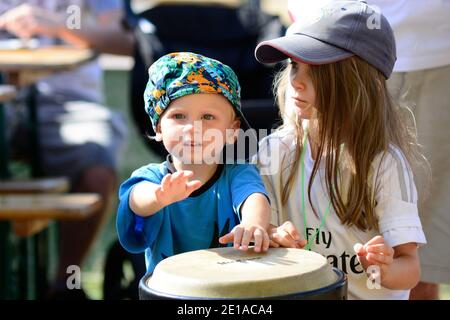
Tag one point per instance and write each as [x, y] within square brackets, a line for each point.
[227, 273]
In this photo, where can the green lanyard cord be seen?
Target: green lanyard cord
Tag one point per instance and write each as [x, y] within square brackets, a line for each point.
[302, 161]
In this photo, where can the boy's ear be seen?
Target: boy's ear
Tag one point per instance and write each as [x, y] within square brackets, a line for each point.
[158, 133]
[233, 133]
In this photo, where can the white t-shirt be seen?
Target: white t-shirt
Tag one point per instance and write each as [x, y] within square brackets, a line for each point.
[396, 208]
[421, 29]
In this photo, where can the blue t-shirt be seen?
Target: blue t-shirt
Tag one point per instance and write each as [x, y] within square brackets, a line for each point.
[194, 223]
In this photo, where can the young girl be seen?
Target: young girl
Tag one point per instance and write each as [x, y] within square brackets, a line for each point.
[344, 187]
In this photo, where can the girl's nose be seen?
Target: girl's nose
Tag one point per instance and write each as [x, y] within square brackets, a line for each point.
[296, 82]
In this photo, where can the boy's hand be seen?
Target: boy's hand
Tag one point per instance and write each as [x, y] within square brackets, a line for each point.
[286, 235]
[242, 234]
[176, 187]
[375, 252]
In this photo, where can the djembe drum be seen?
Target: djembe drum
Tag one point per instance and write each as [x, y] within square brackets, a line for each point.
[227, 273]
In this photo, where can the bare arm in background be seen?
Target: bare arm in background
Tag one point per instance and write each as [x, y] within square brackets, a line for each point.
[104, 33]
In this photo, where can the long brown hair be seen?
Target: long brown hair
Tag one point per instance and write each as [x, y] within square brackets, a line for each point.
[354, 108]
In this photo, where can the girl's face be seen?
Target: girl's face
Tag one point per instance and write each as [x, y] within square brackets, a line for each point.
[302, 95]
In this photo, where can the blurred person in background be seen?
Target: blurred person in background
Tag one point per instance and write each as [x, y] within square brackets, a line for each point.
[79, 137]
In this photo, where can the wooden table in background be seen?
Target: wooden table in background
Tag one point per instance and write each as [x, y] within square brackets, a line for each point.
[23, 68]
[26, 66]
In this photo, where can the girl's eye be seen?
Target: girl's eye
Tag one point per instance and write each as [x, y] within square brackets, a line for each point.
[294, 65]
[208, 117]
[178, 116]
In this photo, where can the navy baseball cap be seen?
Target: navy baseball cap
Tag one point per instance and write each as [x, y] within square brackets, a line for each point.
[336, 31]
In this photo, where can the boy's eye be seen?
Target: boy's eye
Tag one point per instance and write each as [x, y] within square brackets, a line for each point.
[208, 117]
[178, 116]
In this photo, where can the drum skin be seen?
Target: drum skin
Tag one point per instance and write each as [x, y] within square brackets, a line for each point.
[229, 274]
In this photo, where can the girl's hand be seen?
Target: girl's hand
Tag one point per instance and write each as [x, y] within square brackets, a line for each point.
[176, 187]
[286, 235]
[243, 234]
[375, 252]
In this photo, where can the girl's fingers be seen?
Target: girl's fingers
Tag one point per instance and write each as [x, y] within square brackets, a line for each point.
[301, 244]
[375, 258]
[284, 239]
[359, 249]
[289, 227]
[375, 240]
[273, 244]
[380, 248]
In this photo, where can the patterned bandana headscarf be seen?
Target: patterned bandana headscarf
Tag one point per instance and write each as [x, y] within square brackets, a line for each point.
[178, 74]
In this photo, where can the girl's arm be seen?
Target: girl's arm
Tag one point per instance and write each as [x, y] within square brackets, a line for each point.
[255, 212]
[147, 198]
[399, 267]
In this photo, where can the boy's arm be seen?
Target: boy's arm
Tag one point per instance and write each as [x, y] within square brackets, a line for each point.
[147, 198]
[255, 213]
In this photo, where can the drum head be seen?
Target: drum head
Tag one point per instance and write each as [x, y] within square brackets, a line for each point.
[231, 273]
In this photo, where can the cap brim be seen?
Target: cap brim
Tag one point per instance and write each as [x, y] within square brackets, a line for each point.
[299, 47]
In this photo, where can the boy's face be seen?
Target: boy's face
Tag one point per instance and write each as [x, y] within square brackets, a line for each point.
[195, 128]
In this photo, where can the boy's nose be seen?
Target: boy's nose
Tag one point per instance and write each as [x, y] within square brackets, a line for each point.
[193, 127]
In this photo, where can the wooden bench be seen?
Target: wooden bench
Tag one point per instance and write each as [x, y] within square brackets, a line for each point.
[44, 185]
[29, 227]
[31, 213]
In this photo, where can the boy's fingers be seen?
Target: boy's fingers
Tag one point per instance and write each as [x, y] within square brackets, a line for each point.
[238, 232]
[165, 183]
[246, 238]
[188, 173]
[193, 185]
[258, 240]
[226, 238]
[177, 177]
[266, 241]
